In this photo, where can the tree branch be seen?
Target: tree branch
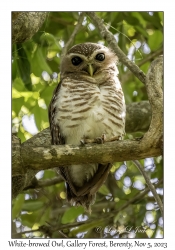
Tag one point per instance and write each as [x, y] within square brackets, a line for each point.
[108, 36]
[26, 24]
[138, 117]
[154, 80]
[41, 158]
[150, 185]
[44, 183]
[70, 41]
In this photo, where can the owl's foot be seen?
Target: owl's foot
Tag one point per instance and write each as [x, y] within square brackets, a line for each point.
[115, 138]
[83, 142]
[99, 140]
[86, 141]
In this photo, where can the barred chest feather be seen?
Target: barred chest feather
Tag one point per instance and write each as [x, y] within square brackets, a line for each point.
[87, 110]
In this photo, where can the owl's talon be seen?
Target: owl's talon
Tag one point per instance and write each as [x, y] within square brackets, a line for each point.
[99, 140]
[116, 138]
[103, 137]
[82, 141]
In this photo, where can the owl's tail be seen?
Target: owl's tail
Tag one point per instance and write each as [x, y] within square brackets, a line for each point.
[85, 201]
[86, 196]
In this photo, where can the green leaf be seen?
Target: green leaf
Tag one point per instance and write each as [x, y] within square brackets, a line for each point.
[38, 63]
[21, 136]
[47, 93]
[153, 20]
[155, 40]
[28, 219]
[71, 214]
[141, 30]
[104, 190]
[131, 20]
[18, 85]
[37, 115]
[17, 104]
[51, 40]
[48, 174]
[24, 68]
[32, 205]
[14, 69]
[140, 18]
[18, 205]
[161, 15]
[86, 227]
[40, 115]
[145, 67]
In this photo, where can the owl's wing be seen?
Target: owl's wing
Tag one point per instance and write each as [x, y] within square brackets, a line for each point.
[56, 137]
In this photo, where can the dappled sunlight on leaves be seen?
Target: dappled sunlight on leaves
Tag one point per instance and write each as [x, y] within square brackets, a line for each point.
[139, 185]
[119, 173]
[29, 125]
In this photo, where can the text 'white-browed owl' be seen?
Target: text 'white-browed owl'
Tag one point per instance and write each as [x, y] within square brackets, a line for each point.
[88, 103]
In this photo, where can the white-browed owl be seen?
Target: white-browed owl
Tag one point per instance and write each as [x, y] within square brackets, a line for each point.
[88, 103]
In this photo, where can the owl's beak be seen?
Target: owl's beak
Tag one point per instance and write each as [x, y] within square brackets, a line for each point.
[90, 69]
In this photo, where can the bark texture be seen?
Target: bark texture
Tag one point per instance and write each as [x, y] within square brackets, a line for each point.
[26, 24]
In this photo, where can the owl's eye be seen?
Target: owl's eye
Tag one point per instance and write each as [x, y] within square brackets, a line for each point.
[100, 57]
[76, 60]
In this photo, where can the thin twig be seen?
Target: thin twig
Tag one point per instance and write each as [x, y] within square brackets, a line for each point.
[64, 235]
[156, 53]
[49, 182]
[150, 185]
[50, 228]
[36, 184]
[139, 196]
[151, 56]
[70, 41]
[108, 36]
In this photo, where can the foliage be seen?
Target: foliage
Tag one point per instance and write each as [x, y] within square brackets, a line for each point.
[35, 73]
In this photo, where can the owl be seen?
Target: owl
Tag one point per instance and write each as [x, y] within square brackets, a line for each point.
[88, 103]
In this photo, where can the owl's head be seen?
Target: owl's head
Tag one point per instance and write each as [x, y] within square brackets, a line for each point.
[88, 59]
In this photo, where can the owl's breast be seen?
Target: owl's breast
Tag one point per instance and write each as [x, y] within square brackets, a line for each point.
[88, 110]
